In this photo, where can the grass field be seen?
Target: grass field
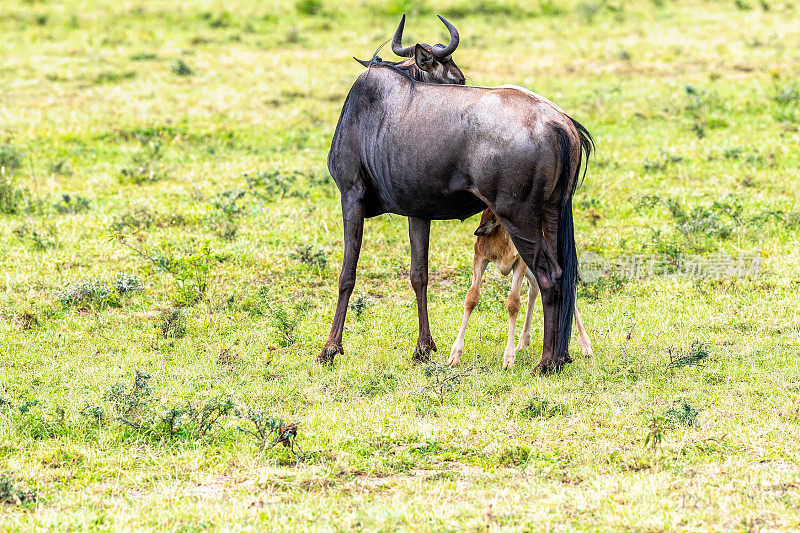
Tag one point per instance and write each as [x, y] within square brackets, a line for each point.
[171, 242]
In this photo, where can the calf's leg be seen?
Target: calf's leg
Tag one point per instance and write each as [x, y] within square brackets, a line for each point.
[513, 305]
[353, 218]
[583, 338]
[473, 294]
[533, 292]
[419, 234]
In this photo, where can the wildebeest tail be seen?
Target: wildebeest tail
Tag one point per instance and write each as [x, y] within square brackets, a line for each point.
[587, 146]
[567, 253]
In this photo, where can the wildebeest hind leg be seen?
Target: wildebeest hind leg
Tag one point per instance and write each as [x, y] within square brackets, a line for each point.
[548, 275]
[419, 234]
[353, 218]
[531, 247]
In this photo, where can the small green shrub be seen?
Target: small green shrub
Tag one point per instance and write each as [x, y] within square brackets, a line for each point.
[146, 166]
[229, 202]
[143, 56]
[228, 207]
[786, 99]
[267, 185]
[285, 319]
[109, 77]
[93, 413]
[60, 167]
[660, 162]
[310, 255]
[376, 384]
[514, 457]
[538, 408]
[12, 196]
[695, 355]
[705, 110]
[12, 493]
[72, 204]
[180, 68]
[39, 423]
[221, 20]
[588, 10]
[189, 421]
[97, 293]
[127, 283]
[443, 380]
[601, 287]
[683, 414]
[172, 323]
[718, 220]
[39, 238]
[131, 404]
[85, 292]
[138, 218]
[268, 430]
[308, 7]
[191, 273]
[10, 157]
[359, 304]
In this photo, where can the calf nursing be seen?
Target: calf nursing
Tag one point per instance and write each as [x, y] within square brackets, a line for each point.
[494, 245]
[439, 151]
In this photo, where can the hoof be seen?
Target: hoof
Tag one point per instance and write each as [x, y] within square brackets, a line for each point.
[455, 357]
[327, 355]
[551, 366]
[523, 343]
[547, 368]
[423, 354]
[509, 358]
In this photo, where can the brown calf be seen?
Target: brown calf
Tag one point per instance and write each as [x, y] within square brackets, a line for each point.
[494, 244]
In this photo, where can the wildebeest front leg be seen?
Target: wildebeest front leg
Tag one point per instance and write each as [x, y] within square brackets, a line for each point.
[419, 234]
[353, 218]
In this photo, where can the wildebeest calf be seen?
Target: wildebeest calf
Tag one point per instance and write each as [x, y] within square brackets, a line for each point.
[494, 244]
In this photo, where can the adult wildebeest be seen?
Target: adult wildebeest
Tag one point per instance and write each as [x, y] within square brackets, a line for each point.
[432, 152]
[493, 244]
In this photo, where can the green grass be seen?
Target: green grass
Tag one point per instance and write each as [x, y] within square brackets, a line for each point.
[165, 209]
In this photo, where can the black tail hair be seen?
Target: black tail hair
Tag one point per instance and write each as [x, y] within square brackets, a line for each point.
[567, 253]
[587, 145]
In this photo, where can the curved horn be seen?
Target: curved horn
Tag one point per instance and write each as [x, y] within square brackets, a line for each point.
[450, 48]
[397, 46]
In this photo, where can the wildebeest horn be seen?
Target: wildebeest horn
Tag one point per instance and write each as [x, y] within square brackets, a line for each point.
[450, 48]
[397, 46]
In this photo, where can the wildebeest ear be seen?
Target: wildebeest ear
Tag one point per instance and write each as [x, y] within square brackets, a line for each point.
[487, 227]
[423, 57]
[365, 63]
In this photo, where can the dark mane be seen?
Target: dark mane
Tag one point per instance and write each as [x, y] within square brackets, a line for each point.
[398, 67]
